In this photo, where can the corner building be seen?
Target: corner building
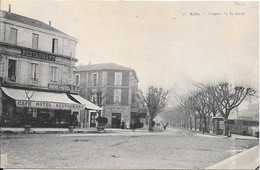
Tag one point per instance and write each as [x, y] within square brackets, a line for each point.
[37, 65]
[114, 88]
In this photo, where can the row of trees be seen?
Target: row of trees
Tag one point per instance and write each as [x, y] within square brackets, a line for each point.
[207, 101]
[197, 106]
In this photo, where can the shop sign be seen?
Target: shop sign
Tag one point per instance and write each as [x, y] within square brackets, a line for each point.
[116, 108]
[138, 110]
[49, 105]
[38, 55]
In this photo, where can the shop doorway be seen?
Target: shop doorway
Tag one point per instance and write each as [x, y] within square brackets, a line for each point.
[93, 119]
[116, 120]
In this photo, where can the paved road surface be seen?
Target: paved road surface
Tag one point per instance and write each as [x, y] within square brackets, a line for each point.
[123, 149]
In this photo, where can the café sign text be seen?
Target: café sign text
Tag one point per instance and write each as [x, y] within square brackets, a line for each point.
[49, 105]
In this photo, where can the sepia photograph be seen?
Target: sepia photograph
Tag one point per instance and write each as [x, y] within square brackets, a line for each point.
[87, 84]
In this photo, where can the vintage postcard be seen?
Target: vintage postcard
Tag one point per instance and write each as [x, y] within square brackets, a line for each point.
[129, 84]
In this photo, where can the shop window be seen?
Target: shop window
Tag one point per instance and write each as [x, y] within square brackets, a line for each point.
[35, 41]
[53, 74]
[12, 70]
[13, 36]
[77, 79]
[54, 45]
[34, 71]
[117, 95]
[118, 78]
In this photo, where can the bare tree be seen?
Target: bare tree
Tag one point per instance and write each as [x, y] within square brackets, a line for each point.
[171, 116]
[227, 98]
[196, 105]
[155, 100]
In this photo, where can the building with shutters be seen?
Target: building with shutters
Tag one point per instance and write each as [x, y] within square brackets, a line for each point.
[37, 66]
[114, 88]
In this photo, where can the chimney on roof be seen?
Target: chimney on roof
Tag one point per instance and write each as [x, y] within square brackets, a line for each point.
[9, 9]
[49, 23]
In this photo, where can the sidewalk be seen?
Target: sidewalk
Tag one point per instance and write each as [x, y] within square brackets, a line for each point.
[7, 130]
[248, 159]
[48, 130]
[233, 136]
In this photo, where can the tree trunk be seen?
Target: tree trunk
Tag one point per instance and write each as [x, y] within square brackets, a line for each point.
[209, 124]
[214, 123]
[190, 123]
[200, 127]
[225, 128]
[195, 123]
[205, 124]
[150, 124]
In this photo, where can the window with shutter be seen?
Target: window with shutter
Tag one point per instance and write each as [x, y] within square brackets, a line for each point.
[118, 78]
[54, 45]
[13, 36]
[34, 71]
[77, 79]
[35, 41]
[53, 74]
[12, 70]
[117, 95]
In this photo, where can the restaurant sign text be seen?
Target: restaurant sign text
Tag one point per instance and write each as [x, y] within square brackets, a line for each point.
[49, 105]
[38, 55]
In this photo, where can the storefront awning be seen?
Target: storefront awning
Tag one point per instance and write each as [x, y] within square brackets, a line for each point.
[46, 100]
[87, 103]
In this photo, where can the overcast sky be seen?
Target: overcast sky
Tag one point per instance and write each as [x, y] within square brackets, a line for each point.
[160, 40]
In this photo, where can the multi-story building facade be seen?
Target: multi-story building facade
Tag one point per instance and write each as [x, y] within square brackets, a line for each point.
[37, 66]
[114, 88]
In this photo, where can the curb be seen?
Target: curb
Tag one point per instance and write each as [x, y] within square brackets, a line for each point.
[46, 131]
[233, 136]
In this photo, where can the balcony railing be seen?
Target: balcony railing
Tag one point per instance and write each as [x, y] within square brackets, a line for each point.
[34, 80]
[65, 88]
[74, 89]
[12, 78]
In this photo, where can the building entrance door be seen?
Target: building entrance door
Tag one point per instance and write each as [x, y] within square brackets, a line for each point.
[93, 119]
[116, 120]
